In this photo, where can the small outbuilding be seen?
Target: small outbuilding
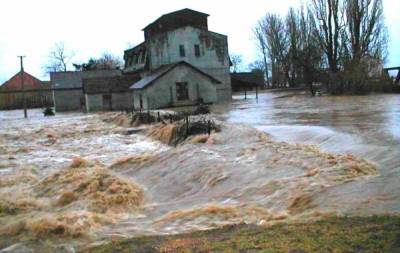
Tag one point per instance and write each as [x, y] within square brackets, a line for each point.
[37, 92]
[109, 93]
[177, 84]
[67, 91]
[246, 81]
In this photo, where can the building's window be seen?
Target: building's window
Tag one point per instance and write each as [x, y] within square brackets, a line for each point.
[182, 92]
[182, 50]
[197, 50]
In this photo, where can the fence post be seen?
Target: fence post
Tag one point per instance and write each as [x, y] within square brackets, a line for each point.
[208, 127]
[257, 92]
[187, 125]
[245, 94]
[158, 116]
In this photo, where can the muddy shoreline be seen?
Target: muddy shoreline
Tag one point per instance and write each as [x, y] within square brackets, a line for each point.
[332, 234]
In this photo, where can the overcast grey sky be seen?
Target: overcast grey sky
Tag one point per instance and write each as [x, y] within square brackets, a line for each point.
[90, 28]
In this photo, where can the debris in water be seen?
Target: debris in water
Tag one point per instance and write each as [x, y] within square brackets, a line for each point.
[177, 132]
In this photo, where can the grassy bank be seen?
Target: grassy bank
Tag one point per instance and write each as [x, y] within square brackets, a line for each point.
[348, 234]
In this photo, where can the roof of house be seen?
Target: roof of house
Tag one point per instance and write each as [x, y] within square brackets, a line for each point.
[141, 46]
[163, 70]
[248, 78]
[30, 82]
[177, 13]
[109, 84]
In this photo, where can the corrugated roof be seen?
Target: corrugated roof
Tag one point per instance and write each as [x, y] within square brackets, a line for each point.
[161, 71]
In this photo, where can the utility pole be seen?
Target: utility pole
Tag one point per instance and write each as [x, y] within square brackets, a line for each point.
[21, 57]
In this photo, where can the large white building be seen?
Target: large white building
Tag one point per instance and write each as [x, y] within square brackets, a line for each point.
[180, 62]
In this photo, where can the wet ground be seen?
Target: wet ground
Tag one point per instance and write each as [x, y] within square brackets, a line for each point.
[84, 178]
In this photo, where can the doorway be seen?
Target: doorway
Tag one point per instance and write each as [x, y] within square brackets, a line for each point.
[107, 102]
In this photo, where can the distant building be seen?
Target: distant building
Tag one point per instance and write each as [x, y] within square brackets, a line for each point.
[92, 90]
[108, 90]
[37, 92]
[180, 62]
[246, 81]
[68, 91]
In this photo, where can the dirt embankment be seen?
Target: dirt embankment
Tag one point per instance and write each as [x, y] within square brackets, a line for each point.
[334, 234]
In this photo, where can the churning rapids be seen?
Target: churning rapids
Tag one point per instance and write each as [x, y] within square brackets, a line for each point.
[75, 180]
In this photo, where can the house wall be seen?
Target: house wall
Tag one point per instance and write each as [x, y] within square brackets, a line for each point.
[68, 100]
[213, 59]
[94, 102]
[74, 99]
[158, 95]
[14, 100]
[122, 100]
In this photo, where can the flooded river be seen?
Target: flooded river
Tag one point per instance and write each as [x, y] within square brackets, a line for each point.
[76, 179]
[366, 126]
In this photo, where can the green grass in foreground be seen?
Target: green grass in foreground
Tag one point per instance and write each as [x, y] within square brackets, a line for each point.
[351, 234]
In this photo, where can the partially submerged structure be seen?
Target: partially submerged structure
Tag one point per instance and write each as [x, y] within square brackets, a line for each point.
[67, 91]
[94, 90]
[180, 62]
[246, 81]
[37, 92]
[110, 92]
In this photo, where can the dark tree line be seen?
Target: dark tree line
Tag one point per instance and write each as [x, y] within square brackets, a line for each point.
[340, 43]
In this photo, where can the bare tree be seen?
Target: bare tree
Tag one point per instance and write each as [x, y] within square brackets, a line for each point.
[366, 31]
[337, 42]
[257, 66]
[293, 35]
[236, 60]
[277, 46]
[261, 42]
[329, 16]
[59, 58]
[310, 53]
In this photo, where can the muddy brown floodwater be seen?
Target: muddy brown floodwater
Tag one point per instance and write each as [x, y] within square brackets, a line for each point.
[75, 180]
[366, 126]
